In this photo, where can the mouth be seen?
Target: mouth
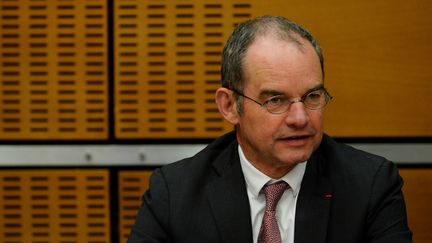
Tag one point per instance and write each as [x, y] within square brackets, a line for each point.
[297, 137]
[296, 140]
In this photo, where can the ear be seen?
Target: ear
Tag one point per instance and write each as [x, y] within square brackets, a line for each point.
[227, 105]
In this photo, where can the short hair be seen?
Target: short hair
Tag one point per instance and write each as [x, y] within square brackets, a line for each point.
[246, 33]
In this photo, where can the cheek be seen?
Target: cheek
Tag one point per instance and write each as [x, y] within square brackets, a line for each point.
[260, 126]
[316, 120]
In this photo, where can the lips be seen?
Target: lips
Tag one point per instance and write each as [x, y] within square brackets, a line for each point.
[295, 140]
[296, 137]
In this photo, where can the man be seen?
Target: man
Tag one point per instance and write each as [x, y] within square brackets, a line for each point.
[273, 93]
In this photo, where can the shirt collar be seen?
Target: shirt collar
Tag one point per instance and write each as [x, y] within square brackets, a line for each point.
[255, 179]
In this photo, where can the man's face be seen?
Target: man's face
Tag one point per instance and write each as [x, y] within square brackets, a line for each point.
[275, 143]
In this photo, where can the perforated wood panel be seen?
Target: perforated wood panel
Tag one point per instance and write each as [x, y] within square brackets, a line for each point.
[168, 66]
[132, 185]
[53, 66]
[168, 53]
[54, 206]
[53, 78]
[418, 196]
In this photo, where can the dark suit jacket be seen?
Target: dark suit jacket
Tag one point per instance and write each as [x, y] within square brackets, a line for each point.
[346, 196]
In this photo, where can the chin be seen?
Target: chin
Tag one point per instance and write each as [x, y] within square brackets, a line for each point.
[295, 157]
[293, 160]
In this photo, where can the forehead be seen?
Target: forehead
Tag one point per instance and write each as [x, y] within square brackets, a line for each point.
[274, 63]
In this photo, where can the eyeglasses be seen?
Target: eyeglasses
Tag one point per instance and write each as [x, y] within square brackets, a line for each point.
[278, 104]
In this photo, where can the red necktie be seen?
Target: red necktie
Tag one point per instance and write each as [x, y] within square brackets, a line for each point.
[269, 232]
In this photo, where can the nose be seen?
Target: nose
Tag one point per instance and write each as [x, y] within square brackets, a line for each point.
[297, 115]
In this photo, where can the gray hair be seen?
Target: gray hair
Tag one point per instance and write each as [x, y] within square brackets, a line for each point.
[245, 34]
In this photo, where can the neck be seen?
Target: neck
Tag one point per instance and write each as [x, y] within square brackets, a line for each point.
[273, 171]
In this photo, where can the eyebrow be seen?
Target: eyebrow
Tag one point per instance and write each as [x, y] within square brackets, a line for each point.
[318, 87]
[271, 92]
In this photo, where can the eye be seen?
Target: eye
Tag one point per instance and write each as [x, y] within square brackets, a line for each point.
[314, 95]
[274, 101]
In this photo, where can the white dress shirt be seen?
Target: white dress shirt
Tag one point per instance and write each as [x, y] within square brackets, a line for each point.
[286, 207]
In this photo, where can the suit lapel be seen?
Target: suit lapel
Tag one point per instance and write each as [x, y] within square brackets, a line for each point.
[313, 204]
[228, 199]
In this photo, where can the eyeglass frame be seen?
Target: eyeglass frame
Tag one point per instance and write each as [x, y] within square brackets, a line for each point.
[327, 95]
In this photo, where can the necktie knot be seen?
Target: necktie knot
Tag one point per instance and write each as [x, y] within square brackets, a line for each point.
[273, 194]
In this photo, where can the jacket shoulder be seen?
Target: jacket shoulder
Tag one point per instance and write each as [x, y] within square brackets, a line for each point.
[340, 152]
[216, 153]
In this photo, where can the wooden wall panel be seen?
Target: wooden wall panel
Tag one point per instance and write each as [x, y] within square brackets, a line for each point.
[168, 66]
[377, 64]
[377, 58]
[53, 78]
[53, 60]
[54, 206]
[132, 185]
[418, 197]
